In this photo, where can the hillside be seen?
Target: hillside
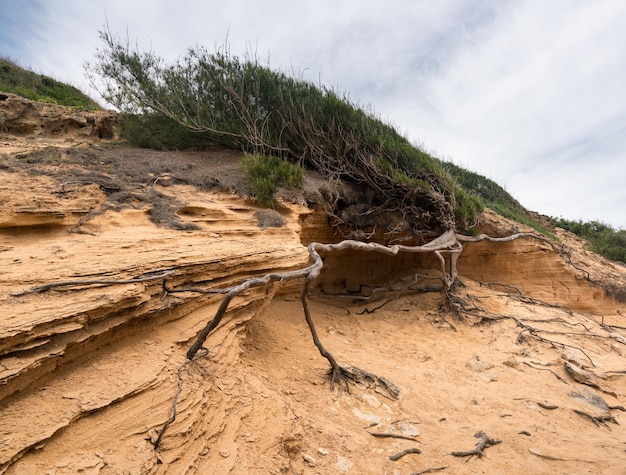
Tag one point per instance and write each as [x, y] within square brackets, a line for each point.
[39, 87]
[91, 363]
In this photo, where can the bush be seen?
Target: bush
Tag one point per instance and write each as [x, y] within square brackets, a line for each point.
[240, 103]
[483, 192]
[269, 218]
[266, 173]
[158, 132]
[601, 237]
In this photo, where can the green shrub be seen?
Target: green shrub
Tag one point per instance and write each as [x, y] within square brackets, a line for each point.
[240, 103]
[600, 237]
[158, 132]
[468, 207]
[266, 173]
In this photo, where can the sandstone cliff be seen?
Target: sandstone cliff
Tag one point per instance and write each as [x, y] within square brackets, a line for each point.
[88, 373]
[29, 118]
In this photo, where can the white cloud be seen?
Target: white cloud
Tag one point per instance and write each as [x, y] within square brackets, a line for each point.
[540, 87]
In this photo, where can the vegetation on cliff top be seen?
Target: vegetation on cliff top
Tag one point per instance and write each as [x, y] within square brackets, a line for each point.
[38, 87]
[216, 97]
[601, 238]
[269, 97]
[237, 102]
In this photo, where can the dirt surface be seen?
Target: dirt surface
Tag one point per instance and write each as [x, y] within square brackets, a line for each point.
[89, 373]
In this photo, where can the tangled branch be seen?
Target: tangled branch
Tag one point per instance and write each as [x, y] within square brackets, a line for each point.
[448, 243]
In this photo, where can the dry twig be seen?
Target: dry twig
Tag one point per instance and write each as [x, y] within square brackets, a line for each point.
[546, 369]
[388, 435]
[172, 417]
[399, 455]
[485, 442]
[429, 470]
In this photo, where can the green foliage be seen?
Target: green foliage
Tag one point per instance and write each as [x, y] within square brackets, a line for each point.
[240, 103]
[155, 131]
[37, 87]
[601, 238]
[267, 173]
[468, 207]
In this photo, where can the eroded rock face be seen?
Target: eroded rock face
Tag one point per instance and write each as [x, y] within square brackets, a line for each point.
[27, 203]
[42, 332]
[25, 117]
[92, 370]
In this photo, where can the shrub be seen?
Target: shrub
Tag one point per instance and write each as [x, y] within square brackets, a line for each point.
[266, 173]
[158, 132]
[269, 218]
[601, 237]
[482, 192]
[240, 103]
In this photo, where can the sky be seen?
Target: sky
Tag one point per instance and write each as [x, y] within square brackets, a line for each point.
[529, 93]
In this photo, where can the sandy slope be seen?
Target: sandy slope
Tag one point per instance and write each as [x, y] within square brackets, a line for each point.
[89, 373]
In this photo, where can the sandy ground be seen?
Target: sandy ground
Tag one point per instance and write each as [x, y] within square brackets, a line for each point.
[89, 373]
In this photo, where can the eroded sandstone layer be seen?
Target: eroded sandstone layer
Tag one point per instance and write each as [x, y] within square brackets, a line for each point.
[19, 116]
[89, 373]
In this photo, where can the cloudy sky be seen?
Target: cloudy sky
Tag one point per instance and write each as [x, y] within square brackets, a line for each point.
[530, 93]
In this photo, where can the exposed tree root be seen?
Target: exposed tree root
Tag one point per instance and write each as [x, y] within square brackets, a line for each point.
[359, 297]
[368, 311]
[485, 442]
[369, 380]
[460, 306]
[389, 435]
[547, 369]
[172, 417]
[73, 283]
[399, 455]
[447, 242]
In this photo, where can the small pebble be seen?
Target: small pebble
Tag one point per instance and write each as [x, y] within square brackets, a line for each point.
[343, 464]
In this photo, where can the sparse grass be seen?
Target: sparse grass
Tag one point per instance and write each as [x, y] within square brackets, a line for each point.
[45, 155]
[163, 211]
[38, 87]
[267, 173]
